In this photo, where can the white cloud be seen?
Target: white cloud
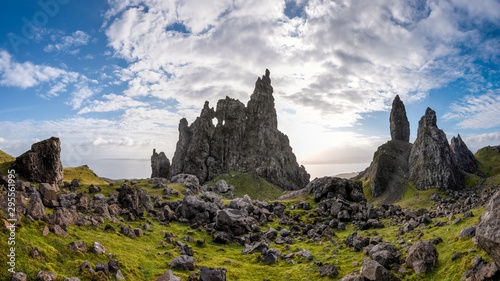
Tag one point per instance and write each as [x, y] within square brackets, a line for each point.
[477, 112]
[484, 138]
[69, 44]
[113, 102]
[26, 75]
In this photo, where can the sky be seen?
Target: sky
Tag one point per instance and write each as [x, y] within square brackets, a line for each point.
[113, 78]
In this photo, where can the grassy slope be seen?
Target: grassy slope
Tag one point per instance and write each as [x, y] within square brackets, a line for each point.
[83, 174]
[250, 184]
[4, 157]
[489, 160]
[140, 260]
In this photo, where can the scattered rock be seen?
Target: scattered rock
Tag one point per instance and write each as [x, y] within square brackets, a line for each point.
[374, 271]
[19, 276]
[46, 276]
[330, 186]
[212, 274]
[169, 276]
[98, 249]
[328, 270]
[467, 232]
[184, 262]
[78, 246]
[422, 256]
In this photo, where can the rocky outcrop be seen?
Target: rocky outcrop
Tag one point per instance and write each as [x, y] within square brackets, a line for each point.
[245, 139]
[42, 163]
[464, 156]
[400, 127]
[327, 187]
[160, 165]
[389, 168]
[488, 229]
[432, 162]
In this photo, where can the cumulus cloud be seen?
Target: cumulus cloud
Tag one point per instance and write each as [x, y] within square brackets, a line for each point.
[340, 59]
[25, 75]
[69, 44]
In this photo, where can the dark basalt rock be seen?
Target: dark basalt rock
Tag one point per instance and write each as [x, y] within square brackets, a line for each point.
[422, 256]
[332, 186]
[245, 139]
[160, 165]
[488, 229]
[42, 163]
[432, 162]
[464, 156]
[400, 127]
[389, 169]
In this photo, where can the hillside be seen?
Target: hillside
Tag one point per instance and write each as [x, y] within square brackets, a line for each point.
[489, 160]
[83, 174]
[4, 157]
[250, 184]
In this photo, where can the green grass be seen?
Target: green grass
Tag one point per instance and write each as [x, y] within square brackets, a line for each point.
[250, 184]
[367, 190]
[472, 180]
[415, 199]
[489, 160]
[83, 174]
[4, 157]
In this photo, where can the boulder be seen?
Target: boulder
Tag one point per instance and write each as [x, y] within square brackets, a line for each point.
[374, 271]
[332, 186]
[97, 248]
[235, 221]
[49, 194]
[42, 163]
[75, 183]
[222, 186]
[432, 162]
[36, 209]
[422, 256]
[212, 274]
[488, 229]
[63, 217]
[78, 246]
[46, 276]
[245, 139]
[194, 208]
[481, 270]
[184, 262]
[328, 270]
[18, 276]
[385, 254]
[160, 165]
[169, 276]
[467, 232]
[190, 181]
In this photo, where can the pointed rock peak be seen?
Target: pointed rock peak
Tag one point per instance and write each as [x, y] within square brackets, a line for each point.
[400, 127]
[266, 77]
[429, 119]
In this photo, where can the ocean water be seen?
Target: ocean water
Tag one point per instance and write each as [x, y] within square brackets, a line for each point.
[141, 168]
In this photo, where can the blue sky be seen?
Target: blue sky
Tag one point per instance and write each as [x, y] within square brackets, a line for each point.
[113, 78]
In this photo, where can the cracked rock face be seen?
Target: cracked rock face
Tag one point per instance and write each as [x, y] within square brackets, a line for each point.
[160, 165]
[400, 127]
[244, 139]
[432, 162]
[464, 156]
[42, 163]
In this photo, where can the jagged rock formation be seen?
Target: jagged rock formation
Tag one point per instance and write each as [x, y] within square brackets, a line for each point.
[400, 127]
[160, 165]
[432, 162]
[244, 139]
[464, 156]
[42, 163]
[389, 168]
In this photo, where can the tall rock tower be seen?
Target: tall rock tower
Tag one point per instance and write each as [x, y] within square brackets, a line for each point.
[432, 162]
[245, 139]
[389, 168]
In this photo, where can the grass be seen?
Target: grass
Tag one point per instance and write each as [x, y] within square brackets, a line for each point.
[4, 157]
[415, 199]
[83, 174]
[367, 190]
[489, 160]
[250, 184]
